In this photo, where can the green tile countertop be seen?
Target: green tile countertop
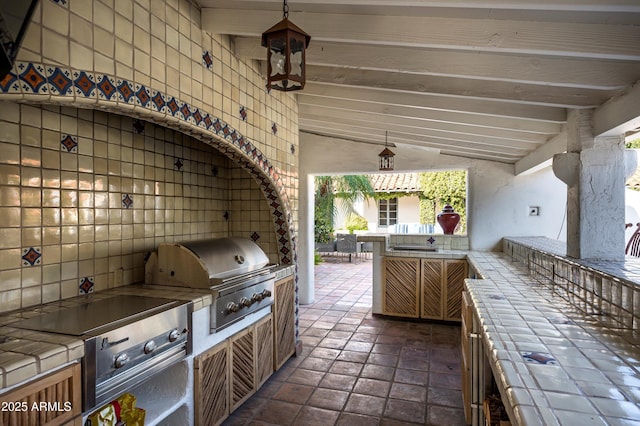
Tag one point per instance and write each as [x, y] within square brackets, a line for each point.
[553, 364]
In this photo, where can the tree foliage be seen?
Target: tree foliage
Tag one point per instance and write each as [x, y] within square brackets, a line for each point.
[441, 188]
[329, 188]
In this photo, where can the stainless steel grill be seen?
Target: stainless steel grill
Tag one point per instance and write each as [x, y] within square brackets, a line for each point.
[127, 339]
[235, 270]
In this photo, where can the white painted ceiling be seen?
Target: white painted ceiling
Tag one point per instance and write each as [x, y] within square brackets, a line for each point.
[480, 79]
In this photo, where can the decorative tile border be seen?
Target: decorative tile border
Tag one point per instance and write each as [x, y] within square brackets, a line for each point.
[44, 83]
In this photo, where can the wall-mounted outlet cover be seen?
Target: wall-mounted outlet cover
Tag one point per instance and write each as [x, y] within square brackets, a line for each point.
[534, 211]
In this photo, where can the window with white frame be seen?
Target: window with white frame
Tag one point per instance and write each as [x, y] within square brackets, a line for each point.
[387, 212]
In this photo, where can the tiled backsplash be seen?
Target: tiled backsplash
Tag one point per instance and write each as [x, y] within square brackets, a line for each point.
[607, 291]
[85, 194]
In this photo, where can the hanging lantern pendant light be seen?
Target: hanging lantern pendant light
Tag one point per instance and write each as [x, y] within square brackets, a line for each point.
[386, 157]
[286, 47]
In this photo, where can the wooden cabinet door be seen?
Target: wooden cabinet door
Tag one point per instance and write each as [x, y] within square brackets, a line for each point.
[431, 284]
[400, 287]
[284, 320]
[264, 350]
[211, 385]
[455, 274]
[60, 388]
[242, 362]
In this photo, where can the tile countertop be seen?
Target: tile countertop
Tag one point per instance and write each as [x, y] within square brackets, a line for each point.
[552, 364]
[25, 354]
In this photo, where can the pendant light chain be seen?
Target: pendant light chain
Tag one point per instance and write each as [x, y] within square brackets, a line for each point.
[285, 9]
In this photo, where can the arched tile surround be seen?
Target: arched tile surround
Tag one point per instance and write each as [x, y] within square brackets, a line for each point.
[50, 84]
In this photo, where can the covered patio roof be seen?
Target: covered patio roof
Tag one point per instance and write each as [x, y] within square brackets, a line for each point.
[488, 80]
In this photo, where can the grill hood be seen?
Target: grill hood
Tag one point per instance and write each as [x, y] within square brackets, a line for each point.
[205, 263]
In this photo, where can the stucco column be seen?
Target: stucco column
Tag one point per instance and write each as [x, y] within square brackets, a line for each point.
[306, 280]
[594, 170]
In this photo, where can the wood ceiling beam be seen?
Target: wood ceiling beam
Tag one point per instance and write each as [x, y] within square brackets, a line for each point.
[620, 6]
[603, 41]
[619, 115]
[444, 147]
[391, 112]
[375, 133]
[445, 130]
[496, 90]
[434, 102]
[601, 75]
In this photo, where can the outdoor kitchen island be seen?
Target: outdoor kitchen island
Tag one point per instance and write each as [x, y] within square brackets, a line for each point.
[552, 356]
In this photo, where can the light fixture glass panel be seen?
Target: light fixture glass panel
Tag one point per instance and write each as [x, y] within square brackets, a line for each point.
[277, 58]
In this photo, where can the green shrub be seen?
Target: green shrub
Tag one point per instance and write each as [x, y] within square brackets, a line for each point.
[356, 222]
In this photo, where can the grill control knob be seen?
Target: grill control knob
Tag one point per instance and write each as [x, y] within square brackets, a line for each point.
[232, 307]
[245, 302]
[266, 293]
[173, 336]
[121, 360]
[256, 297]
[151, 346]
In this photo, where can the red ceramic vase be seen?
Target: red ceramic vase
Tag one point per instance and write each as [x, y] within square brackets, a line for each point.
[448, 219]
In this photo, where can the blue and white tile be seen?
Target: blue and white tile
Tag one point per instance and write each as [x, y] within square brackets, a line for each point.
[33, 78]
[60, 81]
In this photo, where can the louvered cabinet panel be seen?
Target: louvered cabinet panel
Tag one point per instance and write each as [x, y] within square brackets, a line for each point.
[211, 384]
[400, 287]
[431, 284]
[242, 361]
[264, 350]
[57, 389]
[284, 320]
[455, 274]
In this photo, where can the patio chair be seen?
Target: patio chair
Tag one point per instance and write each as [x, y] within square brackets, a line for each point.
[633, 246]
[347, 243]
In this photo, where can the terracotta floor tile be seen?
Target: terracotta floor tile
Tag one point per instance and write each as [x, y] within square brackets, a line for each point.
[382, 359]
[378, 372]
[313, 416]
[332, 343]
[338, 381]
[331, 399]
[413, 363]
[406, 411]
[408, 392]
[327, 353]
[277, 412]
[438, 416]
[316, 364]
[364, 337]
[352, 419]
[365, 404]
[412, 377]
[386, 348]
[450, 381]
[445, 397]
[346, 367]
[315, 332]
[342, 335]
[372, 387]
[306, 377]
[292, 392]
[360, 357]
